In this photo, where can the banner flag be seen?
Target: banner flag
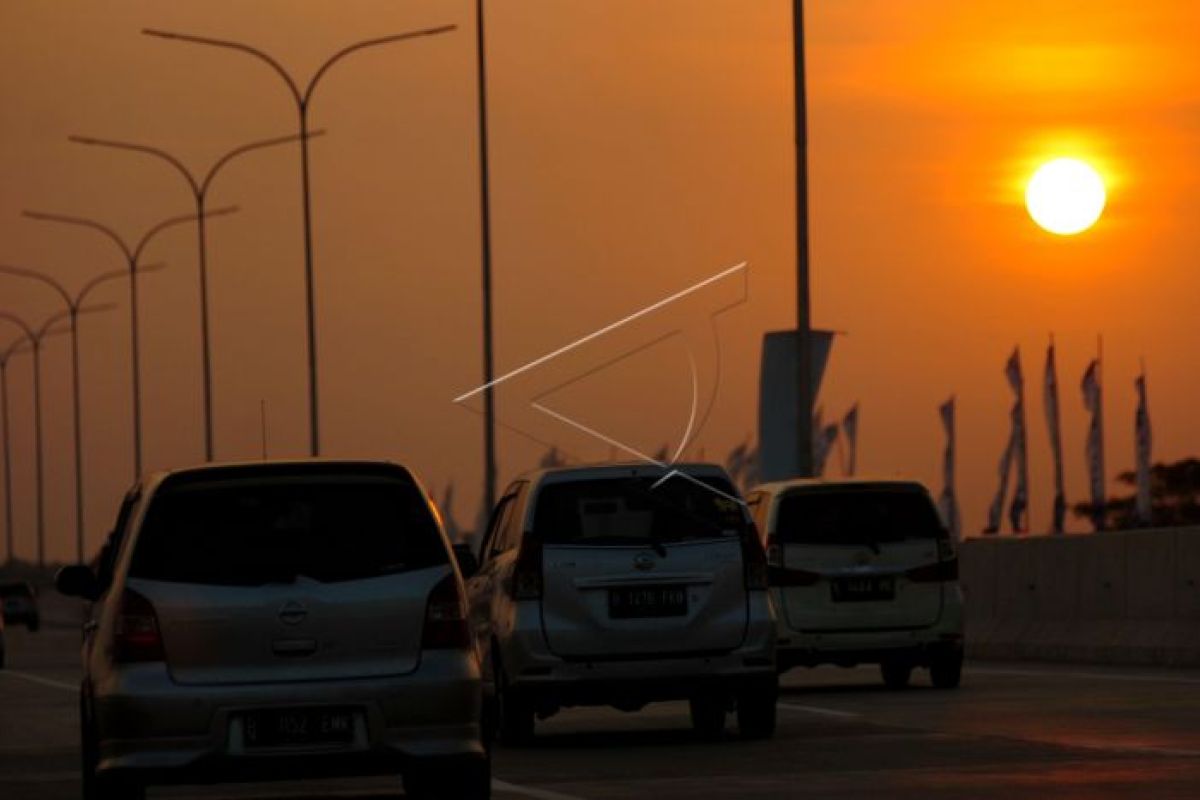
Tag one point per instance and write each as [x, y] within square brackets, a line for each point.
[1054, 426]
[825, 439]
[1142, 442]
[996, 510]
[1018, 511]
[947, 502]
[850, 427]
[1093, 401]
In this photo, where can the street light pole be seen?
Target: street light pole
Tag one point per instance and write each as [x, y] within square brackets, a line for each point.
[34, 337]
[74, 305]
[132, 257]
[804, 381]
[485, 204]
[199, 186]
[5, 430]
[302, 98]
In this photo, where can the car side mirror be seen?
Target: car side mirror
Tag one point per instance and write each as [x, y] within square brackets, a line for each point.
[468, 564]
[77, 580]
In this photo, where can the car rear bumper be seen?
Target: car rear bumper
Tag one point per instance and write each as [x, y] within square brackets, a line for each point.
[865, 645]
[158, 731]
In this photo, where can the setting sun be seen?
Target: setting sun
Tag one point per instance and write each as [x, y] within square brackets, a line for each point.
[1065, 196]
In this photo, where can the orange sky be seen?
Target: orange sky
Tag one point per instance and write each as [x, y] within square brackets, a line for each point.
[638, 147]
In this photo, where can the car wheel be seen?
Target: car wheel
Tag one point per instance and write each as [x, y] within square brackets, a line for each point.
[756, 709]
[466, 780]
[896, 674]
[708, 715]
[514, 714]
[945, 672]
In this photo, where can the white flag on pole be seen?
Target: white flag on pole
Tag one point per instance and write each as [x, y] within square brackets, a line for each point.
[1093, 401]
[1053, 424]
[1018, 510]
[948, 502]
[850, 428]
[1142, 442]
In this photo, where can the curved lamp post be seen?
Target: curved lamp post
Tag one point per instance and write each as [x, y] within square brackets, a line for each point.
[303, 98]
[74, 305]
[18, 344]
[199, 186]
[132, 257]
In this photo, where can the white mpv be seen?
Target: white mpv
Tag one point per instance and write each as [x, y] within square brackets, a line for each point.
[862, 572]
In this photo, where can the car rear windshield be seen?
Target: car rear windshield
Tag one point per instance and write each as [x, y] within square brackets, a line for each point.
[254, 532]
[857, 517]
[633, 511]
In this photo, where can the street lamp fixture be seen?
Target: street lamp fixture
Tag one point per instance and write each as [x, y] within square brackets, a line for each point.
[303, 98]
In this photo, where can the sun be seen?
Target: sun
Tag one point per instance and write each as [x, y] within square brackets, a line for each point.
[1065, 196]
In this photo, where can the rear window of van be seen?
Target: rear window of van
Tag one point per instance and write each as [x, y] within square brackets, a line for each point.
[857, 516]
[637, 510]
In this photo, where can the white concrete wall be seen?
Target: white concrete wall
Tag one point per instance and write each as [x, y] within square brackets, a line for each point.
[1130, 597]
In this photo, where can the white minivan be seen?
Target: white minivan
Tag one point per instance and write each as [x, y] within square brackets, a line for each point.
[862, 572]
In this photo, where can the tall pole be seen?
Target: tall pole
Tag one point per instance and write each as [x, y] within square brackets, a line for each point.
[198, 186]
[133, 257]
[8, 515]
[804, 381]
[489, 399]
[34, 338]
[302, 99]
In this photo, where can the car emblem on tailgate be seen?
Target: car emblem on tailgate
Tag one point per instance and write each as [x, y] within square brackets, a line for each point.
[643, 562]
[292, 613]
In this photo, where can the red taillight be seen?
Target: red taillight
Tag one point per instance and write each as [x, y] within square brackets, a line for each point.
[527, 572]
[136, 636]
[938, 572]
[754, 561]
[446, 618]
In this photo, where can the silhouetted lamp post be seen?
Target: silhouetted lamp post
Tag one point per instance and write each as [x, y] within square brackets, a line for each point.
[199, 187]
[132, 256]
[804, 382]
[303, 98]
[74, 305]
[5, 430]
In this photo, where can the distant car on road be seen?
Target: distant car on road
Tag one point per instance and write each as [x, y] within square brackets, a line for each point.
[279, 620]
[622, 585]
[862, 572]
[20, 604]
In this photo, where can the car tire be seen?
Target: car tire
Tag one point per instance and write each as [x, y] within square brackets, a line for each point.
[708, 715]
[756, 709]
[466, 780]
[514, 714]
[945, 671]
[896, 674]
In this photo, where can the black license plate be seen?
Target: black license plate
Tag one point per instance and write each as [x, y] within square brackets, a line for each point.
[636, 602]
[298, 726]
[865, 588]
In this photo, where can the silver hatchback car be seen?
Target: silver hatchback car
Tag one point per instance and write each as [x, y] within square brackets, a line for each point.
[278, 620]
[621, 585]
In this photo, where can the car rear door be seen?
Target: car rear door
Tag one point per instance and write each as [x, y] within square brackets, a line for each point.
[632, 570]
[293, 577]
[851, 559]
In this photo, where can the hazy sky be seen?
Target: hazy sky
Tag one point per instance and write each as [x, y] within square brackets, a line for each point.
[639, 147]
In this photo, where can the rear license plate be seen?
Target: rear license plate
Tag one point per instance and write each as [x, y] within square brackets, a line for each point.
[635, 602]
[298, 726]
[865, 588]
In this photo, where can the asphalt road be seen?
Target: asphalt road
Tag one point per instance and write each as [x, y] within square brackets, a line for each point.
[1011, 730]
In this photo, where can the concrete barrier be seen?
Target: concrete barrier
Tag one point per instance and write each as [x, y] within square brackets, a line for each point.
[1128, 597]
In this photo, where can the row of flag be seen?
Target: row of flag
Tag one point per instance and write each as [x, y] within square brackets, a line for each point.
[1014, 461]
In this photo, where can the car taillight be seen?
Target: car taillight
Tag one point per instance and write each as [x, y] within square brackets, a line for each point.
[136, 636]
[754, 561]
[938, 572]
[527, 572]
[446, 626]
